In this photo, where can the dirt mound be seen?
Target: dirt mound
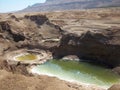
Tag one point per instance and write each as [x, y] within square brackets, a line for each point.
[9, 81]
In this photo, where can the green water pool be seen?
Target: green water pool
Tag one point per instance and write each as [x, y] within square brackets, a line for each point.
[25, 57]
[80, 72]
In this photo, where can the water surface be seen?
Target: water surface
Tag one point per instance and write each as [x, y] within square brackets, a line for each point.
[24, 57]
[81, 72]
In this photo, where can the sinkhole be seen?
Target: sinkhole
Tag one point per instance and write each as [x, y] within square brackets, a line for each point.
[27, 56]
[80, 72]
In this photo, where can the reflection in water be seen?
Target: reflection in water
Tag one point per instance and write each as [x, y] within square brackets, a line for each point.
[78, 71]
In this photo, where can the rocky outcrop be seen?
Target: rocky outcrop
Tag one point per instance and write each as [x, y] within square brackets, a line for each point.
[115, 87]
[116, 70]
[29, 30]
[38, 19]
[102, 46]
[5, 28]
[19, 68]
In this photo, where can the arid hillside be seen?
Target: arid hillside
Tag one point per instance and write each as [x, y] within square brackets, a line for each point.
[61, 5]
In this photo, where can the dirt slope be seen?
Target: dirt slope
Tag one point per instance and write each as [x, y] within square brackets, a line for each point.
[9, 81]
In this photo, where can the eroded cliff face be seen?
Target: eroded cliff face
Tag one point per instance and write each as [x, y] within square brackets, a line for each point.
[28, 30]
[96, 40]
[102, 46]
[91, 35]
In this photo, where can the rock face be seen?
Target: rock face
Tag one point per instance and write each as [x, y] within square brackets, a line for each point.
[28, 30]
[90, 35]
[102, 46]
[60, 5]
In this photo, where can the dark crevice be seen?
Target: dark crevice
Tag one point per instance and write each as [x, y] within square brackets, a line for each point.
[18, 37]
[38, 19]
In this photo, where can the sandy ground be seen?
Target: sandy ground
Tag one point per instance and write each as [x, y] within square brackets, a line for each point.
[10, 81]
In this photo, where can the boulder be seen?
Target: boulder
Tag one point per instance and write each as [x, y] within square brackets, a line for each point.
[115, 87]
[71, 57]
[116, 70]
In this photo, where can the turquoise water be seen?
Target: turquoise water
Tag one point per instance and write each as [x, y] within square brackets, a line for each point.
[81, 72]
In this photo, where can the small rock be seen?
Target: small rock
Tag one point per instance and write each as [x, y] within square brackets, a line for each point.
[71, 57]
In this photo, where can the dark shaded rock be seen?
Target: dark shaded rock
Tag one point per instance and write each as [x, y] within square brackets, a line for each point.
[38, 19]
[14, 17]
[6, 28]
[93, 46]
[19, 68]
[18, 37]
